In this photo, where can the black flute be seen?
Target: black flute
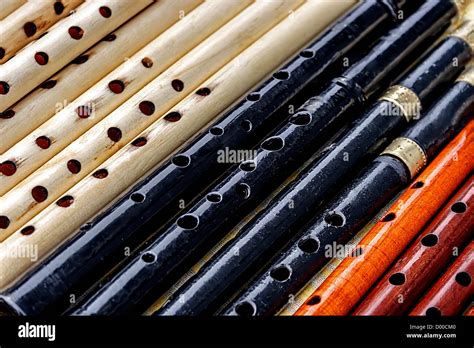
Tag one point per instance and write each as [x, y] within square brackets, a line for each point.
[351, 209]
[234, 197]
[78, 259]
[261, 238]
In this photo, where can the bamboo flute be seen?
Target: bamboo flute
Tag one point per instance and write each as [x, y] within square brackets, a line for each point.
[226, 85]
[64, 41]
[29, 22]
[420, 265]
[87, 69]
[8, 6]
[106, 240]
[105, 138]
[209, 217]
[353, 278]
[261, 238]
[453, 290]
[327, 234]
[119, 86]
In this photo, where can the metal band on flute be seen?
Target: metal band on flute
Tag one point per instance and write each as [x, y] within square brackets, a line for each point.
[228, 270]
[296, 136]
[409, 152]
[388, 238]
[125, 218]
[405, 99]
[155, 144]
[355, 205]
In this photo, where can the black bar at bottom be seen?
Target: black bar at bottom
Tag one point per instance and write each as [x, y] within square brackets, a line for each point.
[289, 331]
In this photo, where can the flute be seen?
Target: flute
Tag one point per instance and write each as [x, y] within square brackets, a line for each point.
[260, 238]
[29, 22]
[274, 93]
[210, 218]
[352, 208]
[65, 41]
[405, 282]
[9, 6]
[381, 246]
[453, 290]
[148, 105]
[197, 110]
[86, 70]
[118, 86]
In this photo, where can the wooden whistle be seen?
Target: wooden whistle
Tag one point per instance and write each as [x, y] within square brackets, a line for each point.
[8, 6]
[162, 137]
[82, 73]
[77, 159]
[420, 265]
[42, 58]
[453, 290]
[29, 22]
[353, 278]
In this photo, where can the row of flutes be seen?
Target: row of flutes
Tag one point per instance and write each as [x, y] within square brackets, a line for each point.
[247, 157]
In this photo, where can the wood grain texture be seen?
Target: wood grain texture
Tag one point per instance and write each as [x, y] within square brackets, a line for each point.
[132, 117]
[132, 162]
[453, 290]
[47, 55]
[8, 6]
[353, 278]
[122, 83]
[29, 22]
[422, 263]
[88, 69]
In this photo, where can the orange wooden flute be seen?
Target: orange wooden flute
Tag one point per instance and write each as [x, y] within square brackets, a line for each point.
[352, 279]
[451, 293]
[420, 266]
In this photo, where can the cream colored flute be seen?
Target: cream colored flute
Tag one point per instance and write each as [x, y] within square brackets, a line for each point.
[8, 6]
[57, 222]
[117, 87]
[72, 81]
[64, 41]
[29, 22]
[107, 137]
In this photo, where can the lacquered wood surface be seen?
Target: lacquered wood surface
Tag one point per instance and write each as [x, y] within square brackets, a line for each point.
[8, 6]
[440, 243]
[453, 290]
[164, 136]
[352, 279]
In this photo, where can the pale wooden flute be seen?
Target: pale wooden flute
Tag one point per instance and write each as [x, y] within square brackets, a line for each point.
[8, 6]
[117, 87]
[89, 68]
[108, 136]
[29, 22]
[64, 41]
[56, 223]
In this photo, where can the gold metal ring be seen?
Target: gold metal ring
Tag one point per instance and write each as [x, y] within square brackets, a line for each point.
[409, 152]
[405, 99]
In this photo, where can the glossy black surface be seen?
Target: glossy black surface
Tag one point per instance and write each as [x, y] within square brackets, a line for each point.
[247, 186]
[240, 128]
[352, 208]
